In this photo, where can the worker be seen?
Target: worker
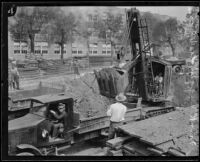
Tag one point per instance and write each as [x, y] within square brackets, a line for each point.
[14, 75]
[160, 80]
[122, 52]
[10, 78]
[60, 117]
[157, 84]
[76, 70]
[116, 112]
[118, 56]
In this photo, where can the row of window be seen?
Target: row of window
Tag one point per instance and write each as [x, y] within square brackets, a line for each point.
[58, 52]
[25, 51]
[77, 52]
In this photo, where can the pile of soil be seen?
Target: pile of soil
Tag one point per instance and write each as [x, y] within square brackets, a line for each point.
[181, 92]
[85, 92]
[88, 101]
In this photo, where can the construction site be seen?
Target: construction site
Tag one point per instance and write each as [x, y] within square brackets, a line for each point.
[158, 122]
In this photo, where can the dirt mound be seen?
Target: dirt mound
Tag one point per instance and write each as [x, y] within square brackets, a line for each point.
[87, 100]
[182, 92]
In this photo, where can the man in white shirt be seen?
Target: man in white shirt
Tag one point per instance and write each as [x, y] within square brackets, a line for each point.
[116, 112]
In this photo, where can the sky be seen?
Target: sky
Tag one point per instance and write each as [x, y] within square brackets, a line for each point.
[174, 11]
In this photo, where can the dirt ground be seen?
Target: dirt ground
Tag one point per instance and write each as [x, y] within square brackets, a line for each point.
[85, 149]
[83, 89]
[89, 103]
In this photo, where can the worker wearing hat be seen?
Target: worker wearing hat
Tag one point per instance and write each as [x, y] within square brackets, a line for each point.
[116, 112]
[61, 119]
[14, 75]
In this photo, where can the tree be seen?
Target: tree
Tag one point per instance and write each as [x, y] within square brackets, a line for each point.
[151, 23]
[191, 33]
[28, 22]
[191, 26]
[167, 32]
[109, 29]
[60, 30]
[85, 31]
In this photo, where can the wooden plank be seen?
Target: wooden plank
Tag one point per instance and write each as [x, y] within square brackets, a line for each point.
[155, 151]
[116, 143]
[160, 128]
[127, 153]
[137, 146]
[175, 152]
[114, 153]
[163, 140]
[165, 146]
[182, 143]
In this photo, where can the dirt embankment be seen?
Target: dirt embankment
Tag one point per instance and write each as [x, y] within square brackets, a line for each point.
[181, 91]
[85, 92]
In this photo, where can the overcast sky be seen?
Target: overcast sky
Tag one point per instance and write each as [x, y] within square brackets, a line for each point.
[174, 11]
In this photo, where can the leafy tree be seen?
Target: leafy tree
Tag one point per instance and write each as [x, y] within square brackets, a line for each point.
[28, 22]
[85, 30]
[191, 33]
[151, 23]
[60, 30]
[167, 32]
[109, 29]
[191, 26]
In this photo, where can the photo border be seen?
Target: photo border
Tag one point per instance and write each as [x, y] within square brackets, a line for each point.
[4, 76]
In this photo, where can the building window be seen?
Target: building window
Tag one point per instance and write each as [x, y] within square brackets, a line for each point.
[74, 52]
[64, 51]
[44, 51]
[79, 52]
[37, 51]
[44, 48]
[16, 48]
[95, 52]
[24, 51]
[57, 49]
[103, 52]
[57, 52]
[93, 48]
[16, 51]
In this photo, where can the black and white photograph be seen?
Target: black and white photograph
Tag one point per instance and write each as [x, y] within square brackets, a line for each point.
[100, 81]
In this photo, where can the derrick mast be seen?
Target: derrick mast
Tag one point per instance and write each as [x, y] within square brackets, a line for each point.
[138, 35]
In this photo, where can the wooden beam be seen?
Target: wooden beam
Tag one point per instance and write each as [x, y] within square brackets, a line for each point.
[116, 143]
[155, 151]
[137, 146]
[175, 152]
[114, 153]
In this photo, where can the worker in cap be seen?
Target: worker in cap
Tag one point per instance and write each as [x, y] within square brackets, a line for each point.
[14, 75]
[116, 112]
[58, 126]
